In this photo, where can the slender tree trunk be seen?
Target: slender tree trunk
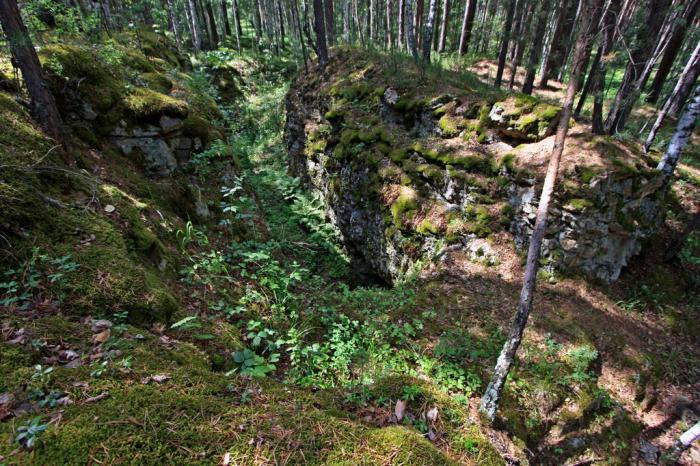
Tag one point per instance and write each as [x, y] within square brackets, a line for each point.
[536, 49]
[174, 23]
[389, 34]
[44, 109]
[523, 28]
[193, 27]
[410, 38]
[295, 14]
[504, 42]
[443, 26]
[674, 46]
[320, 30]
[681, 136]
[211, 23]
[569, 44]
[630, 88]
[489, 403]
[608, 28]
[685, 82]
[237, 17]
[224, 17]
[688, 77]
[553, 57]
[428, 32]
[467, 23]
[418, 23]
[330, 21]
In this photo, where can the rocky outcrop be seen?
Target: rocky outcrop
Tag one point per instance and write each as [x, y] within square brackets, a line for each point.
[405, 173]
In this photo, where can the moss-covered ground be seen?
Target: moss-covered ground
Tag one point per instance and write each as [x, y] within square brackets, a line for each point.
[239, 337]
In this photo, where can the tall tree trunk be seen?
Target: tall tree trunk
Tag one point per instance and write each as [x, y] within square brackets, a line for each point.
[608, 29]
[410, 38]
[401, 39]
[174, 23]
[320, 30]
[681, 136]
[193, 25]
[569, 44]
[224, 17]
[428, 32]
[330, 21]
[630, 88]
[554, 57]
[389, 34]
[536, 49]
[467, 23]
[523, 28]
[211, 23]
[671, 52]
[300, 33]
[504, 42]
[685, 83]
[237, 22]
[418, 23]
[44, 109]
[489, 403]
[443, 26]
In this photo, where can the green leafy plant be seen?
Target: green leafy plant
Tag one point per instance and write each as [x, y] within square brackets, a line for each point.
[28, 434]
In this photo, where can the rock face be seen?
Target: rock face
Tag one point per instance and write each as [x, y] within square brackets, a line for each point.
[404, 175]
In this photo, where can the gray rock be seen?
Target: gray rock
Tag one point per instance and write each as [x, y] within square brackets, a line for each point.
[170, 124]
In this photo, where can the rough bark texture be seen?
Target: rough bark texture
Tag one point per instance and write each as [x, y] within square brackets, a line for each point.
[608, 31]
[536, 49]
[330, 21]
[443, 26]
[489, 402]
[428, 32]
[556, 49]
[467, 23]
[681, 136]
[44, 107]
[320, 30]
[674, 46]
[410, 37]
[630, 88]
[684, 83]
[504, 42]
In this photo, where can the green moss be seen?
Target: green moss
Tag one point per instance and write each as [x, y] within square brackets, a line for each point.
[426, 227]
[405, 203]
[158, 82]
[348, 136]
[450, 126]
[195, 126]
[147, 104]
[578, 205]
[332, 115]
[546, 112]
[587, 174]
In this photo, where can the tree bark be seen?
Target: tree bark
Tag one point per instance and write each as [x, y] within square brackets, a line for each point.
[553, 56]
[402, 23]
[410, 38]
[224, 17]
[428, 32]
[389, 32]
[320, 30]
[193, 24]
[521, 31]
[536, 49]
[504, 42]
[630, 88]
[467, 24]
[608, 28]
[174, 23]
[683, 443]
[44, 109]
[680, 138]
[688, 77]
[330, 21]
[671, 52]
[489, 403]
[443, 26]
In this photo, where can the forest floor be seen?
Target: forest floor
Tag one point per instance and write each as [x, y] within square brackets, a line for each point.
[606, 374]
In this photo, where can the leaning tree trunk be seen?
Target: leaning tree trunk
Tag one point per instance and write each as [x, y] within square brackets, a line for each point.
[556, 44]
[671, 52]
[630, 88]
[428, 33]
[536, 49]
[489, 402]
[410, 37]
[680, 138]
[504, 42]
[443, 26]
[688, 77]
[683, 443]
[44, 107]
[320, 30]
[467, 23]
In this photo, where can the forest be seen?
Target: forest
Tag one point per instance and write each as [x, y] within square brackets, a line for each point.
[350, 232]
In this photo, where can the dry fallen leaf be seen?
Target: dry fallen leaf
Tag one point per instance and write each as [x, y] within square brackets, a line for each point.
[399, 410]
[102, 336]
[226, 460]
[432, 414]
